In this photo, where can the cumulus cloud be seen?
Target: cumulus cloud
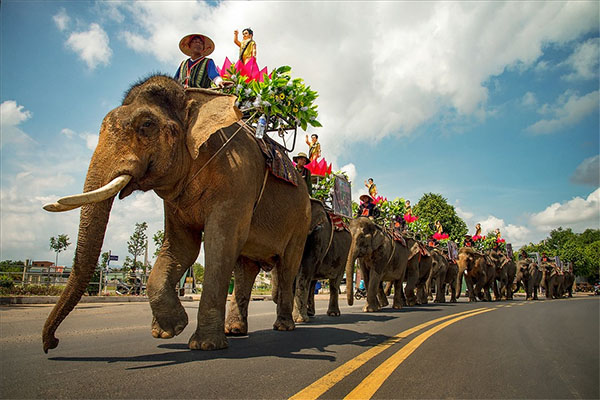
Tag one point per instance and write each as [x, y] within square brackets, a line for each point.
[588, 172]
[91, 140]
[516, 234]
[67, 132]
[369, 88]
[92, 46]
[529, 100]
[568, 110]
[12, 115]
[584, 61]
[61, 19]
[577, 213]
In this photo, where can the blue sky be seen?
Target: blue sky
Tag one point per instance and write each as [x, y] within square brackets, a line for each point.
[494, 105]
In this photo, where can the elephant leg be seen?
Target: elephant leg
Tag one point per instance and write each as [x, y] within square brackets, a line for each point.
[401, 295]
[453, 293]
[286, 273]
[471, 290]
[496, 290]
[383, 301]
[397, 304]
[440, 290]
[412, 276]
[245, 271]
[372, 292]
[334, 293]
[303, 284]
[179, 250]
[388, 288]
[310, 305]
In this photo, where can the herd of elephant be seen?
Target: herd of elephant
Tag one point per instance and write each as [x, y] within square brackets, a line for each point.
[414, 270]
[192, 148]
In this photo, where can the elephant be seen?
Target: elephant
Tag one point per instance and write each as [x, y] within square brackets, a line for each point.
[530, 276]
[190, 147]
[552, 280]
[569, 281]
[381, 258]
[479, 274]
[325, 255]
[511, 271]
[416, 278]
[442, 273]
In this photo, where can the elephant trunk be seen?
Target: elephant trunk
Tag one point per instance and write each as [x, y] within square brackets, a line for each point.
[92, 227]
[352, 255]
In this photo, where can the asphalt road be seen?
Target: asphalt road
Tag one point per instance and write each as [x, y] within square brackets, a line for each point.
[517, 349]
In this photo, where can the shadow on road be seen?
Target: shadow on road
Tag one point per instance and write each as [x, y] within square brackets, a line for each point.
[265, 343]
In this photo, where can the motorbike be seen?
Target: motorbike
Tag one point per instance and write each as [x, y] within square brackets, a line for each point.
[597, 289]
[124, 289]
[360, 294]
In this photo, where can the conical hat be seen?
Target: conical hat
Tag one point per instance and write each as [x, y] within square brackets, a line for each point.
[184, 44]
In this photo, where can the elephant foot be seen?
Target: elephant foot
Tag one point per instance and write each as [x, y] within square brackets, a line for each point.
[282, 324]
[396, 306]
[411, 303]
[310, 313]
[472, 300]
[369, 308]
[236, 328]
[301, 318]
[453, 300]
[384, 302]
[214, 341]
[169, 326]
[334, 312]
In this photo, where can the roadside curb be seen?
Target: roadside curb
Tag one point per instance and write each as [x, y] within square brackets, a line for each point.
[12, 300]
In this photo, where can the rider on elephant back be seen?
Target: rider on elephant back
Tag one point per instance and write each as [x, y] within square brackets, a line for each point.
[197, 71]
[469, 241]
[367, 207]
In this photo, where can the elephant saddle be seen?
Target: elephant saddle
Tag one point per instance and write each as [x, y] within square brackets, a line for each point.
[278, 163]
[396, 236]
[338, 222]
[423, 250]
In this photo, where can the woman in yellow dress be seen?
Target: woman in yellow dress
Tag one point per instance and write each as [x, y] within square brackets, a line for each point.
[247, 45]
[372, 187]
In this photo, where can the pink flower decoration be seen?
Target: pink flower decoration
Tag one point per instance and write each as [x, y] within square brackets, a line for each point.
[440, 236]
[379, 199]
[319, 168]
[410, 218]
[477, 237]
[250, 70]
[500, 240]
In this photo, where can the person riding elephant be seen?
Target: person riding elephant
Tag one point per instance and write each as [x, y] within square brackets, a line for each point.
[381, 258]
[367, 207]
[301, 161]
[180, 143]
[197, 71]
[324, 257]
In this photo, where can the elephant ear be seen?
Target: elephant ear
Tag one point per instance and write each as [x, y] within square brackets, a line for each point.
[207, 111]
[377, 239]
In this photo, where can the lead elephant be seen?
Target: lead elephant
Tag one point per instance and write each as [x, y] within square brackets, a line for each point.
[325, 255]
[553, 280]
[190, 148]
[381, 258]
[479, 274]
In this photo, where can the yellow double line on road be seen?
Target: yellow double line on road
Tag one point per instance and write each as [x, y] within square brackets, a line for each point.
[368, 387]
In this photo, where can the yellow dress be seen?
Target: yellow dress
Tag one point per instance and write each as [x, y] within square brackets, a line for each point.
[248, 47]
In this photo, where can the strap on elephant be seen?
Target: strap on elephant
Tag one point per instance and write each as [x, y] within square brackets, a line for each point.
[393, 248]
[262, 190]
[330, 238]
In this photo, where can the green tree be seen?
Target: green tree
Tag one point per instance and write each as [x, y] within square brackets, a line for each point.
[434, 207]
[198, 272]
[59, 244]
[138, 241]
[158, 238]
[11, 266]
[129, 262]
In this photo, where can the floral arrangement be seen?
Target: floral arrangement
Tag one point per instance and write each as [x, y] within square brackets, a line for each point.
[286, 102]
[324, 187]
[440, 236]
[489, 242]
[409, 218]
[319, 168]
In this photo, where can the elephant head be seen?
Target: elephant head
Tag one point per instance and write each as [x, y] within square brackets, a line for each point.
[150, 142]
[367, 238]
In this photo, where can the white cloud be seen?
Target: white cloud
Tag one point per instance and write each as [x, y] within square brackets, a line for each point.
[92, 46]
[61, 19]
[577, 213]
[12, 115]
[584, 61]
[91, 140]
[588, 172]
[529, 100]
[380, 68]
[68, 132]
[568, 110]
[518, 235]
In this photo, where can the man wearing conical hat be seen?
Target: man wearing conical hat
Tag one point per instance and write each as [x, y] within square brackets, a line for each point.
[301, 161]
[198, 71]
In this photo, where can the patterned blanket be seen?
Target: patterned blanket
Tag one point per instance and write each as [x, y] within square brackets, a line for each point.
[338, 222]
[277, 160]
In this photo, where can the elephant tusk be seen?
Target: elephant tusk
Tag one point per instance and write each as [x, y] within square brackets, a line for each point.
[105, 192]
[55, 207]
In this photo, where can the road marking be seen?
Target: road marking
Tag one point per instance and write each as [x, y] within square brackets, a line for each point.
[367, 388]
[325, 383]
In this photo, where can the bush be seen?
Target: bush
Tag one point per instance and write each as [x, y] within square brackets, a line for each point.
[32, 290]
[6, 281]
